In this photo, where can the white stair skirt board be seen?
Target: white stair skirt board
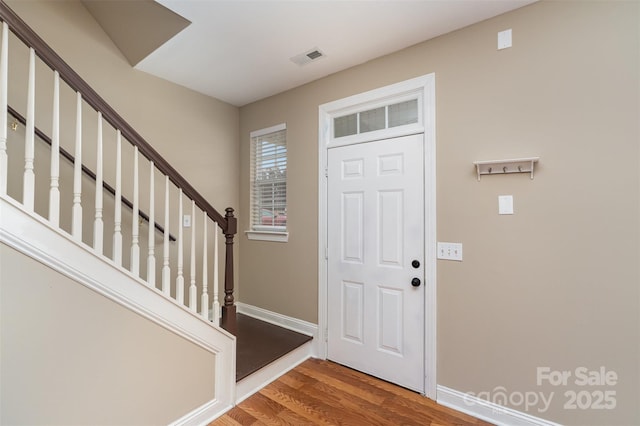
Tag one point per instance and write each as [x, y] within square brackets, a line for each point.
[487, 410]
[33, 236]
[294, 324]
[261, 378]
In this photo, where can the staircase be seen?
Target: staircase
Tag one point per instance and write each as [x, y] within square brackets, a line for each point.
[97, 265]
[100, 220]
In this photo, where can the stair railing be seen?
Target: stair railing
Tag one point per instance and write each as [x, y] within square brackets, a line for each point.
[199, 206]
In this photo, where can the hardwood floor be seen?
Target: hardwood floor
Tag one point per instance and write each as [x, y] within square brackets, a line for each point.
[324, 393]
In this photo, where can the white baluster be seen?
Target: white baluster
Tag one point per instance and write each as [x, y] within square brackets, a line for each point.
[4, 77]
[29, 188]
[193, 301]
[180, 277]
[151, 259]
[98, 225]
[76, 213]
[117, 224]
[204, 303]
[135, 224]
[216, 303]
[166, 271]
[54, 191]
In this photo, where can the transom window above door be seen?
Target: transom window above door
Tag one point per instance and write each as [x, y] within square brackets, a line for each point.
[387, 116]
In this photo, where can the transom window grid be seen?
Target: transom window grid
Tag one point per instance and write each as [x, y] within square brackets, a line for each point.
[393, 114]
[269, 181]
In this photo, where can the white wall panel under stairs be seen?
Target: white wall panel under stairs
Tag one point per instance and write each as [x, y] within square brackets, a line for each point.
[33, 236]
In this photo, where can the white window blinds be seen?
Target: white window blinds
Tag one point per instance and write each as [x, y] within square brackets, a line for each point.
[269, 179]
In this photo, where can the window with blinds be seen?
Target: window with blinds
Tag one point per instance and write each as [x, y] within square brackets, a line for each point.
[269, 179]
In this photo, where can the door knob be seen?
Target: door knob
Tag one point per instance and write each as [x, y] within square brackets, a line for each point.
[415, 264]
[415, 282]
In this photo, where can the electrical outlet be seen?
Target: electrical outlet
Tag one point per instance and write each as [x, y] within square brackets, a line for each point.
[186, 221]
[450, 251]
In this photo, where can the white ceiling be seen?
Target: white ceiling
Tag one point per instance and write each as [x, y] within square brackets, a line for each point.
[239, 51]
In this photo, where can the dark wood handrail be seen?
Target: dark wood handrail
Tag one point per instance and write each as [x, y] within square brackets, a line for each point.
[55, 62]
[87, 171]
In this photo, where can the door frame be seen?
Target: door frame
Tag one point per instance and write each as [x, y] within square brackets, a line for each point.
[424, 89]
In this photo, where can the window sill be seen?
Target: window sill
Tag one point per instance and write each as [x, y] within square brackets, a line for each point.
[275, 236]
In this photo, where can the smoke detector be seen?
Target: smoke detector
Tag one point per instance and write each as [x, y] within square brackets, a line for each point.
[312, 55]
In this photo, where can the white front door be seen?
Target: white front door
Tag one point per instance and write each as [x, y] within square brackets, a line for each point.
[376, 257]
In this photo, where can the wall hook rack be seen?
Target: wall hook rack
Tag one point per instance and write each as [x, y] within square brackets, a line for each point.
[499, 167]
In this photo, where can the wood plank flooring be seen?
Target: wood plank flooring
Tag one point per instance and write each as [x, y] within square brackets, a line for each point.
[324, 393]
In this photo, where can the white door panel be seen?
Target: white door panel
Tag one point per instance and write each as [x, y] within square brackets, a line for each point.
[375, 230]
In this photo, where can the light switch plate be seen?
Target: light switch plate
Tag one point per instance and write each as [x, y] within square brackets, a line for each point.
[450, 251]
[504, 39]
[505, 204]
[186, 221]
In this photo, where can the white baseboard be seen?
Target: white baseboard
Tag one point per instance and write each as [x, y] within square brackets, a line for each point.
[487, 410]
[284, 321]
[261, 378]
[203, 415]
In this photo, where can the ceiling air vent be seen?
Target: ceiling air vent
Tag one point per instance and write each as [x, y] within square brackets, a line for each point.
[307, 57]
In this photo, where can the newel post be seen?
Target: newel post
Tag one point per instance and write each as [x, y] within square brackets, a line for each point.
[229, 308]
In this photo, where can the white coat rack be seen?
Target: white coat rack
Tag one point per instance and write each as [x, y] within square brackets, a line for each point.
[499, 167]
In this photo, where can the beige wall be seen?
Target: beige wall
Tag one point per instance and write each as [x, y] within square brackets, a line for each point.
[557, 283]
[71, 356]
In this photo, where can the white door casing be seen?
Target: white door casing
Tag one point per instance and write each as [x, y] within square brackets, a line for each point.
[423, 89]
[376, 232]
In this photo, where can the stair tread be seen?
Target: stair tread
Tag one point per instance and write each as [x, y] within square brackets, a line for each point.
[260, 343]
